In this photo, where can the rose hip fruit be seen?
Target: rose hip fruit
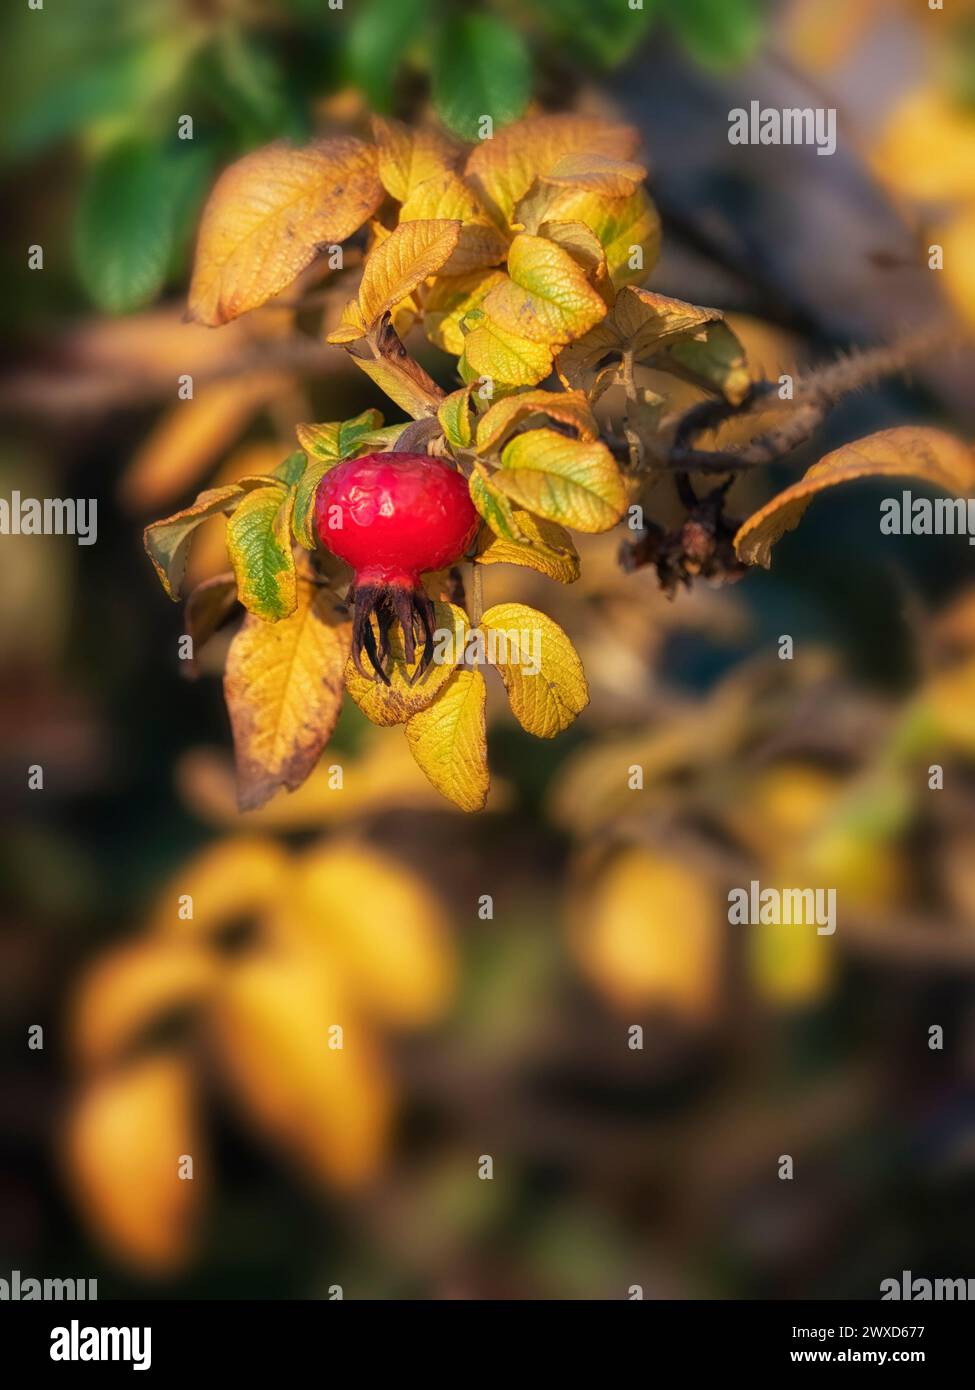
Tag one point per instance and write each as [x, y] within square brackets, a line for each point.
[393, 517]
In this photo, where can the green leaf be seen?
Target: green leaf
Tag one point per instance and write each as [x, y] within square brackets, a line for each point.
[167, 542]
[303, 514]
[291, 470]
[493, 505]
[124, 227]
[381, 32]
[339, 438]
[259, 544]
[481, 67]
[718, 33]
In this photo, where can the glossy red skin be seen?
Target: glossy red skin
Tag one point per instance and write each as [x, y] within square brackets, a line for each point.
[402, 514]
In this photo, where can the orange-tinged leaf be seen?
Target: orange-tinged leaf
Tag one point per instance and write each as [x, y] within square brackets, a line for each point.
[391, 944]
[572, 481]
[409, 156]
[408, 256]
[648, 933]
[125, 1137]
[596, 173]
[908, 451]
[547, 296]
[540, 668]
[325, 1107]
[283, 686]
[449, 741]
[627, 228]
[446, 195]
[568, 407]
[583, 246]
[400, 700]
[127, 991]
[504, 168]
[192, 434]
[270, 214]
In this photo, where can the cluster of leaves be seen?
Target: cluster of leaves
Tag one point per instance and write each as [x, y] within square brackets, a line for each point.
[158, 1013]
[117, 79]
[519, 258]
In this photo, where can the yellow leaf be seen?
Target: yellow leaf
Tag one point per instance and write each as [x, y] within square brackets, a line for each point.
[910, 451]
[541, 671]
[623, 226]
[326, 1107]
[449, 741]
[397, 702]
[283, 686]
[568, 407]
[505, 358]
[572, 481]
[640, 321]
[227, 881]
[383, 931]
[397, 265]
[449, 299]
[790, 965]
[123, 1142]
[647, 933]
[350, 327]
[270, 214]
[192, 435]
[583, 246]
[492, 504]
[446, 195]
[259, 546]
[545, 547]
[167, 542]
[957, 241]
[596, 173]
[129, 990]
[405, 382]
[547, 297]
[409, 156]
[504, 168]
[926, 149]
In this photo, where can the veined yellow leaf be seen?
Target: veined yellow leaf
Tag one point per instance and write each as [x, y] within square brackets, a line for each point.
[396, 266]
[446, 195]
[540, 668]
[268, 217]
[596, 173]
[449, 299]
[908, 451]
[492, 504]
[455, 418]
[506, 358]
[399, 701]
[409, 156]
[627, 228]
[259, 546]
[568, 407]
[572, 481]
[449, 741]
[283, 686]
[547, 296]
[545, 547]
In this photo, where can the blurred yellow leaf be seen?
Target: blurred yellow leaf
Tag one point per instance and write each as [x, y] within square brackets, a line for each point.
[912, 451]
[541, 671]
[131, 988]
[648, 933]
[228, 881]
[504, 416]
[376, 923]
[504, 168]
[270, 214]
[409, 156]
[326, 1107]
[790, 965]
[395, 703]
[546, 297]
[125, 1138]
[957, 240]
[396, 266]
[283, 686]
[926, 149]
[545, 546]
[449, 741]
[575, 482]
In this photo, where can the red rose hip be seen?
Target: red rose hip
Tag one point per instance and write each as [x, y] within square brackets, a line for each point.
[393, 517]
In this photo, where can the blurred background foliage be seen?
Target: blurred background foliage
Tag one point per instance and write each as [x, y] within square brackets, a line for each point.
[467, 1034]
